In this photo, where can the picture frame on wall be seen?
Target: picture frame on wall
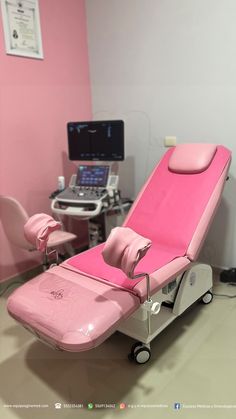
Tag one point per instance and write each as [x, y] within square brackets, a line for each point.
[22, 30]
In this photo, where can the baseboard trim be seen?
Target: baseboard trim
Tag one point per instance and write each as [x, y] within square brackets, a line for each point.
[218, 268]
[20, 278]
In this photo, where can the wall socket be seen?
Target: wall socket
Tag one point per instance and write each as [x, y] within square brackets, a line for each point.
[170, 141]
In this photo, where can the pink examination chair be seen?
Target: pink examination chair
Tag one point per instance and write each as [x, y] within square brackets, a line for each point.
[146, 273]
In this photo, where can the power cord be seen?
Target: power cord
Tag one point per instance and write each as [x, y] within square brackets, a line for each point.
[224, 295]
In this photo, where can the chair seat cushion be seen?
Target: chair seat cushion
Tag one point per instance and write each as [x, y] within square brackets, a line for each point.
[92, 263]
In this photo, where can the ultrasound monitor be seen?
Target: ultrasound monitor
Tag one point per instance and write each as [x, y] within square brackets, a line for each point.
[96, 140]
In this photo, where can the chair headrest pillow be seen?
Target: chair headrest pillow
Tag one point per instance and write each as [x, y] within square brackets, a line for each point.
[191, 158]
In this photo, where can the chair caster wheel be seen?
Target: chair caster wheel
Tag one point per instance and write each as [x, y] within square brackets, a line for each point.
[134, 347]
[207, 298]
[139, 353]
[142, 355]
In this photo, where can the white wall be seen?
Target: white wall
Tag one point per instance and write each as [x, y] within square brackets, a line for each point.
[168, 67]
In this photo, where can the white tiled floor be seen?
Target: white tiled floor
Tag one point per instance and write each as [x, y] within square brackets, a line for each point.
[193, 362]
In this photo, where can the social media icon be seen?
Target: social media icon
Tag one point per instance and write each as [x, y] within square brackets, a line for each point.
[90, 406]
[177, 406]
[122, 406]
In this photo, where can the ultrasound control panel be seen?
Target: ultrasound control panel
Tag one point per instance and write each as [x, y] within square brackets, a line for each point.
[87, 193]
[80, 193]
[90, 184]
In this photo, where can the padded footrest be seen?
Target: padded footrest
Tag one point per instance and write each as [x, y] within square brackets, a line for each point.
[71, 311]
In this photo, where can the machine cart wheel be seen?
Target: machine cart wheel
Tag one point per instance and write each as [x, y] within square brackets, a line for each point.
[140, 353]
[207, 298]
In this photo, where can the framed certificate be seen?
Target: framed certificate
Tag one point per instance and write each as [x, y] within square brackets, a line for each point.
[21, 24]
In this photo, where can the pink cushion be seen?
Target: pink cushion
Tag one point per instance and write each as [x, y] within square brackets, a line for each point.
[124, 249]
[38, 228]
[191, 158]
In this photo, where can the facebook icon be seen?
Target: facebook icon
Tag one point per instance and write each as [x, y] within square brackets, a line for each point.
[177, 406]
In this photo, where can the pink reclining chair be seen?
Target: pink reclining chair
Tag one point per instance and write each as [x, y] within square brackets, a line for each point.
[146, 274]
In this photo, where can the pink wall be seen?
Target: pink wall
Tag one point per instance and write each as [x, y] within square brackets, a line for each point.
[37, 98]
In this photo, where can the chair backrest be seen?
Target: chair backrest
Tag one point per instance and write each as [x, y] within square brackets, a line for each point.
[13, 217]
[174, 200]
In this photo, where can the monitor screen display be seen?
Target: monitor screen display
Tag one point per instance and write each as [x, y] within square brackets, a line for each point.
[92, 176]
[96, 140]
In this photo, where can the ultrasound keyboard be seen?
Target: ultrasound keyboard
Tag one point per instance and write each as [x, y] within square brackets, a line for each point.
[81, 194]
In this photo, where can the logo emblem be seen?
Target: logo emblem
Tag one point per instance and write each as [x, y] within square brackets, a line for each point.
[57, 294]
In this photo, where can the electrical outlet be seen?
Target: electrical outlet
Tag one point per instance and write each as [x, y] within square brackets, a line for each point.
[170, 141]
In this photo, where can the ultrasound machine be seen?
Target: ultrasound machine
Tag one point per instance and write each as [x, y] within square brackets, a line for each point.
[94, 187]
